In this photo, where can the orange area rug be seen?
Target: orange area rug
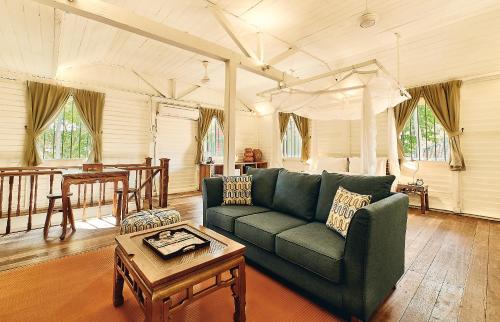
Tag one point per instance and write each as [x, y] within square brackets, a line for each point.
[79, 288]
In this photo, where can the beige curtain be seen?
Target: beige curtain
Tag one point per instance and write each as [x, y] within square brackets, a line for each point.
[283, 119]
[303, 127]
[444, 100]
[91, 107]
[219, 115]
[206, 116]
[402, 113]
[43, 102]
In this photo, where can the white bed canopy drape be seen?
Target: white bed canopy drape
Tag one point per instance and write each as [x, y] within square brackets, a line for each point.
[359, 95]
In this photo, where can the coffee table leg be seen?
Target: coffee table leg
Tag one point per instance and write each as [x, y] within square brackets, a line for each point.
[154, 309]
[117, 286]
[239, 290]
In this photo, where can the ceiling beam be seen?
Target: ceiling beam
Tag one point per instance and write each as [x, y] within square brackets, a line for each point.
[320, 76]
[172, 88]
[282, 56]
[153, 87]
[187, 91]
[56, 46]
[127, 20]
[228, 27]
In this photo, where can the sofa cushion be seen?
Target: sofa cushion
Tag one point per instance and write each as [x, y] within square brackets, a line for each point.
[147, 219]
[237, 190]
[379, 187]
[263, 185]
[314, 247]
[345, 204]
[224, 216]
[261, 229]
[297, 194]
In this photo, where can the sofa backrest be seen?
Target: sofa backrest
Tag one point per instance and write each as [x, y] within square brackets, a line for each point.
[263, 185]
[297, 194]
[379, 187]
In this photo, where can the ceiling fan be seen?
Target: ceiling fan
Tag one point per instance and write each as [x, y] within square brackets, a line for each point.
[205, 78]
[368, 18]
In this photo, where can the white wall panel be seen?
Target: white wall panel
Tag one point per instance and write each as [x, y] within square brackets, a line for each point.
[176, 141]
[332, 138]
[480, 117]
[126, 135]
[247, 135]
[12, 121]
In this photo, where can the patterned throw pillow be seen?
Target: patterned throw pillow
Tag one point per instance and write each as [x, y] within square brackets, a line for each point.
[237, 190]
[343, 208]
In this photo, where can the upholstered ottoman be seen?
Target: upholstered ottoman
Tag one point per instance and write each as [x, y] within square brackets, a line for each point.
[147, 219]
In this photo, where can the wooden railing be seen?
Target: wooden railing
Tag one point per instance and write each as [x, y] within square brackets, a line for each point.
[23, 190]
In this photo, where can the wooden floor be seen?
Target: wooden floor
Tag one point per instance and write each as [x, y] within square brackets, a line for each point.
[452, 262]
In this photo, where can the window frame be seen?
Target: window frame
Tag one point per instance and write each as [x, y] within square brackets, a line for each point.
[41, 140]
[295, 143]
[413, 124]
[218, 141]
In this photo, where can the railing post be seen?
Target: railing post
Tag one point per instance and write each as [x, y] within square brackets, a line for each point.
[164, 182]
[149, 185]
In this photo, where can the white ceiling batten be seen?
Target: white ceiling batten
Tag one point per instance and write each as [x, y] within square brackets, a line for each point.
[228, 27]
[124, 19]
[58, 21]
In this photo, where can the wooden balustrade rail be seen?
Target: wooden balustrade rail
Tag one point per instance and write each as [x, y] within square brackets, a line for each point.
[22, 187]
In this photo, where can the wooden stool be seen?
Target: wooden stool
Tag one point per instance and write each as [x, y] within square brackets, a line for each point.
[119, 193]
[52, 199]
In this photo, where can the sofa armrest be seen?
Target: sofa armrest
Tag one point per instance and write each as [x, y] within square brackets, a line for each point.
[212, 195]
[374, 253]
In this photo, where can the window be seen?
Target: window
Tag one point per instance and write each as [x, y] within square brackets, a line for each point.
[213, 146]
[292, 141]
[423, 137]
[67, 137]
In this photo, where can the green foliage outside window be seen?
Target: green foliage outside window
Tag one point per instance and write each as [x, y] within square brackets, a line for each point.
[67, 136]
[423, 137]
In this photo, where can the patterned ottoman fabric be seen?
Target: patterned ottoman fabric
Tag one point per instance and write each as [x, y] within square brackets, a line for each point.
[148, 219]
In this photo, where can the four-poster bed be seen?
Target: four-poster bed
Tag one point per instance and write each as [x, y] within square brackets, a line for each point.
[358, 92]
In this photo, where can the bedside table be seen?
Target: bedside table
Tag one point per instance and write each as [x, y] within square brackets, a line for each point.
[422, 191]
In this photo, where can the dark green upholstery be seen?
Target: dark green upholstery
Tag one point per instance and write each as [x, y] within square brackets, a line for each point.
[379, 187]
[363, 268]
[296, 194]
[263, 185]
[315, 285]
[211, 190]
[261, 229]
[374, 254]
[314, 247]
[224, 216]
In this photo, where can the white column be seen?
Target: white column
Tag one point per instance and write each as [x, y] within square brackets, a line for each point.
[368, 135]
[229, 118]
[392, 143]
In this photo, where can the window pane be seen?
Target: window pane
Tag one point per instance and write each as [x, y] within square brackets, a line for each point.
[213, 145]
[67, 137]
[423, 137]
[292, 142]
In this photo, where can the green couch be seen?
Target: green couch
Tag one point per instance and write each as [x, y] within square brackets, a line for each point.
[285, 233]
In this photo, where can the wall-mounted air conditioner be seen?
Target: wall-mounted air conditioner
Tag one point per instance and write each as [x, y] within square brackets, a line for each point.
[181, 112]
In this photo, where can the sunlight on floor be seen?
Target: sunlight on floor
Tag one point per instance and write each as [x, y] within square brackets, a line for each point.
[96, 223]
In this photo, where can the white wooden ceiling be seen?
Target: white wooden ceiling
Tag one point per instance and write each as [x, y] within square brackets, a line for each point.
[440, 40]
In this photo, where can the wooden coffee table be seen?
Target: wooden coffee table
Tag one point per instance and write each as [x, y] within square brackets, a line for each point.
[162, 287]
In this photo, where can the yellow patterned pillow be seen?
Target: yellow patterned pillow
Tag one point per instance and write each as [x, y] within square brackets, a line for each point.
[237, 190]
[343, 209]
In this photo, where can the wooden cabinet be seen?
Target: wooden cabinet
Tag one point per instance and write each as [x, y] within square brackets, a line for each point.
[211, 170]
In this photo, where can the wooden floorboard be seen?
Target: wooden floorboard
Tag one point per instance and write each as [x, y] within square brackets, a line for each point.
[452, 263]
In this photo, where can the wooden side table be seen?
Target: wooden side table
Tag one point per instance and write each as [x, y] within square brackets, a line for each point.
[422, 191]
[79, 176]
[155, 282]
